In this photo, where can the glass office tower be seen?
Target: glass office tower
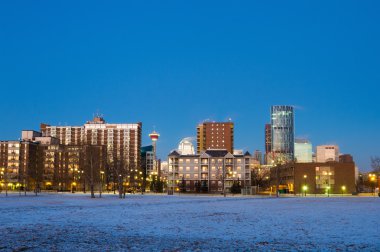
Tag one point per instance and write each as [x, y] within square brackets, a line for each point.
[282, 121]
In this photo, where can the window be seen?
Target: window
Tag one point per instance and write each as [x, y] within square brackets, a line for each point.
[187, 168]
[195, 176]
[180, 168]
[187, 161]
[195, 168]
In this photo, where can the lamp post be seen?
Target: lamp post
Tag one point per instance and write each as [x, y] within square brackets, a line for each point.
[102, 181]
[343, 189]
[328, 191]
[372, 179]
[304, 189]
[304, 183]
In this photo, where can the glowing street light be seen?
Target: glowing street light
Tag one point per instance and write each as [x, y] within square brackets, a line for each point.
[328, 191]
[343, 189]
[304, 189]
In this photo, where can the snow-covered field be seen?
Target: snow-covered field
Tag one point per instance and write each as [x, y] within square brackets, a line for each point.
[187, 223]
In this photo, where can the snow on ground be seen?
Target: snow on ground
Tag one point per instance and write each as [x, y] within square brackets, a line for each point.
[64, 222]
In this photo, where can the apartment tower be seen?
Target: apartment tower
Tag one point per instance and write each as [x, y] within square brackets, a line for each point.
[215, 135]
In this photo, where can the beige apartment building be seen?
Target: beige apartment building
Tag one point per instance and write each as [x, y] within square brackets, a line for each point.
[209, 171]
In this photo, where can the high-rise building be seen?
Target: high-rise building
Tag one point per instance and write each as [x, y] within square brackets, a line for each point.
[268, 143]
[282, 122]
[215, 135]
[327, 153]
[186, 147]
[123, 141]
[303, 151]
[268, 138]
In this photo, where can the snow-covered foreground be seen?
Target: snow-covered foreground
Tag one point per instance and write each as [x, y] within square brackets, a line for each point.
[186, 223]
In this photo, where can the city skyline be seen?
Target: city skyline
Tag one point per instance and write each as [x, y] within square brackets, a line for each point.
[173, 65]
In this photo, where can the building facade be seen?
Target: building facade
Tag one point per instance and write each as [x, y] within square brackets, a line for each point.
[314, 178]
[327, 153]
[215, 135]
[303, 151]
[123, 141]
[258, 156]
[210, 171]
[282, 132]
[268, 143]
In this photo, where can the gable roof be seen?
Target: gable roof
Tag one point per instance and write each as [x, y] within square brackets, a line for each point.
[216, 153]
[247, 154]
[174, 153]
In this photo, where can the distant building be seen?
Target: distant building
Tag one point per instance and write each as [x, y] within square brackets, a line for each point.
[215, 135]
[303, 151]
[209, 171]
[44, 164]
[164, 170]
[315, 178]
[147, 160]
[186, 146]
[268, 143]
[238, 152]
[327, 153]
[346, 158]
[282, 121]
[123, 141]
[59, 157]
[258, 156]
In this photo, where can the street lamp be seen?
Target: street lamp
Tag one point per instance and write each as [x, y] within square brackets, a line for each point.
[328, 191]
[304, 189]
[343, 189]
[372, 179]
[304, 183]
[102, 178]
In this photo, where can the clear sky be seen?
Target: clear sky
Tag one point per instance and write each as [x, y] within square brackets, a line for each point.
[173, 64]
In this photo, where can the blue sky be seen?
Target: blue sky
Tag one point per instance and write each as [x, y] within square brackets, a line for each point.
[172, 64]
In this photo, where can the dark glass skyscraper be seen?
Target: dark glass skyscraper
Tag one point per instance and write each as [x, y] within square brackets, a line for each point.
[282, 121]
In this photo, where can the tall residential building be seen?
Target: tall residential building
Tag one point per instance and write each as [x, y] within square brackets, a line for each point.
[303, 151]
[123, 141]
[282, 121]
[215, 135]
[327, 153]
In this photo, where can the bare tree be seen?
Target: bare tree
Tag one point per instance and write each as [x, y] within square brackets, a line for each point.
[119, 172]
[260, 177]
[375, 163]
[92, 166]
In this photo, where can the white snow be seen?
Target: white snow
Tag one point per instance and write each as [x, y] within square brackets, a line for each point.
[63, 222]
